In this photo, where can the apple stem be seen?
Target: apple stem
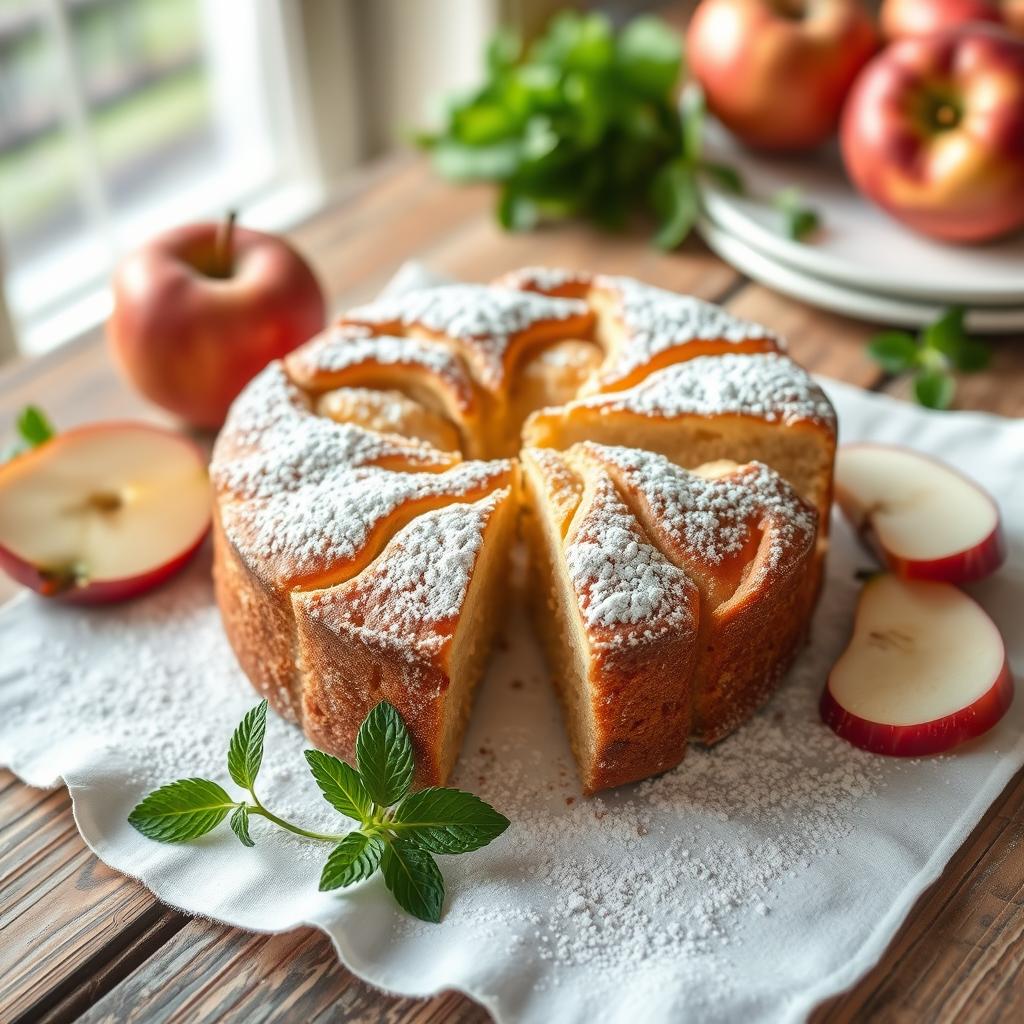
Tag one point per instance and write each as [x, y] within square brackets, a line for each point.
[224, 255]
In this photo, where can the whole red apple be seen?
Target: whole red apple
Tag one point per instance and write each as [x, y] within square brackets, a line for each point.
[776, 72]
[933, 132]
[201, 309]
[903, 18]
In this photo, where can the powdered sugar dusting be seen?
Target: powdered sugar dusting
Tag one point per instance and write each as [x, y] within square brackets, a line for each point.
[484, 318]
[621, 579]
[767, 386]
[345, 348]
[325, 523]
[713, 518]
[408, 603]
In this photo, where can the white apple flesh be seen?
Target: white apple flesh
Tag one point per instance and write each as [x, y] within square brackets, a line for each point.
[103, 512]
[923, 519]
[925, 670]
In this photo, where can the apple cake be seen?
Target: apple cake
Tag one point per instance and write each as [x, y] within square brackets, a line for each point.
[669, 467]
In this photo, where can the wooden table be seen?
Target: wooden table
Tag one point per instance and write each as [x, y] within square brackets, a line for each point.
[80, 942]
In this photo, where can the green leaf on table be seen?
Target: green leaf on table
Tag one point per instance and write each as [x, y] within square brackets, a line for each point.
[340, 784]
[356, 857]
[725, 176]
[460, 162]
[384, 755]
[649, 55]
[447, 821]
[798, 221]
[946, 334]
[894, 351]
[240, 825]
[934, 389]
[972, 356]
[33, 427]
[245, 751]
[414, 880]
[181, 810]
[675, 201]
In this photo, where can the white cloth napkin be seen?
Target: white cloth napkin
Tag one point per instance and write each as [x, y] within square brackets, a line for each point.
[750, 883]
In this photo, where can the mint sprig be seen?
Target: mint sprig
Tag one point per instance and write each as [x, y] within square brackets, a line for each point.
[583, 123]
[33, 428]
[397, 831]
[931, 357]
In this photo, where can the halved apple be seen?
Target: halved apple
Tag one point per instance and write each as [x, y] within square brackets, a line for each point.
[103, 512]
[923, 519]
[925, 670]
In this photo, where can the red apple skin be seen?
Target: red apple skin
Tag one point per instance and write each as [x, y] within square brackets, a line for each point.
[957, 182]
[95, 591]
[901, 19]
[929, 737]
[98, 591]
[776, 72]
[967, 566]
[189, 340]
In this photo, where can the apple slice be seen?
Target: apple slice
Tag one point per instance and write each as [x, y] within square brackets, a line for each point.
[103, 512]
[925, 670]
[923, 519]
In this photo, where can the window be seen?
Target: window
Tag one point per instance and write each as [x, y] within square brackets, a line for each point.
[122, 117]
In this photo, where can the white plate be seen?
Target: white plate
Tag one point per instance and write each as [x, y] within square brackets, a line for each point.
[858, 246]
[883, 309]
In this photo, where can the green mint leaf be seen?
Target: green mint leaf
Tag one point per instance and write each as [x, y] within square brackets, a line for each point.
[725, 176]
[181, 810]
[356, 857]
[973, 356]
[245, 752]
[384, 755]
[414, 880]
[33, 426]
[674, 198]
[894, 351]
[240, 825]
[934, 389]
[946, 334]
[649, 56]
[447, 821]
[798, 221]
[691, 115]
[341, 785]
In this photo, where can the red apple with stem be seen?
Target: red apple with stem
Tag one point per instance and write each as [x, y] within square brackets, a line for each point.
[923, 519]
[103, 512]
[776, 72]
[933, 132]
[200, 310]
[925, 670]
[903, 18]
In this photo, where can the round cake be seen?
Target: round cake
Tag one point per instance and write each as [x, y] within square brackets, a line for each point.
[669, 467]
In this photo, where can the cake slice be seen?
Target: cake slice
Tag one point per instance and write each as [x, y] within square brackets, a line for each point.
[414, 628]
[670, 602]
[618, 621]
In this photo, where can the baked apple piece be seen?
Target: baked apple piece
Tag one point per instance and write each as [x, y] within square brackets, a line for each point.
[925, 670]
[103, 512]
[923, 519]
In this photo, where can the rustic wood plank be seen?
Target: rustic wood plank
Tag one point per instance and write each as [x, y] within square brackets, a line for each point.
[64, 914]
[224, 975]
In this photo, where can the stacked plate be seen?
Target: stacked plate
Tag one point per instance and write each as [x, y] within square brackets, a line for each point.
[860, 262]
